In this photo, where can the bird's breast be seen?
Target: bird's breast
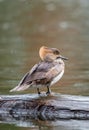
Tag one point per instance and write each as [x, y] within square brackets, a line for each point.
[57, 78]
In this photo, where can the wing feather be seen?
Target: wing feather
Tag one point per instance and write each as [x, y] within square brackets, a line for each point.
[23, 83]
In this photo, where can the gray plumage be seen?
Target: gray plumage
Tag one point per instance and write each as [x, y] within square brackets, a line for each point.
[42, 74]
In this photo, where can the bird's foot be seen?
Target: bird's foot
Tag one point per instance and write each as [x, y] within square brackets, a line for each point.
[39, 93]
[48, 93]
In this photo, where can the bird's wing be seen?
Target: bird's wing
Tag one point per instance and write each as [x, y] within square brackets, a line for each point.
[45, 73]
[40, 74]
[28, 74]
[37, 73]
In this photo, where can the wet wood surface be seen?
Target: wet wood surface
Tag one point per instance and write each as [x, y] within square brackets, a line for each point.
[54, 107]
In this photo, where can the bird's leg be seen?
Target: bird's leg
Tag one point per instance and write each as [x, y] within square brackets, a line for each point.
[38, 91]
[48, 90]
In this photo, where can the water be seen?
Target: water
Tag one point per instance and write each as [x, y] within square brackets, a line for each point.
[25, 26]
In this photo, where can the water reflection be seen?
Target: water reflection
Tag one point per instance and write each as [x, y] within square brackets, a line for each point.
[26, 25]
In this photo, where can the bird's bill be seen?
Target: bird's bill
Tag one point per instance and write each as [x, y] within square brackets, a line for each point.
[62, 57]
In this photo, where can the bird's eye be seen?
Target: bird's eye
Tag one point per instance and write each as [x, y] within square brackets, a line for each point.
[56, 52]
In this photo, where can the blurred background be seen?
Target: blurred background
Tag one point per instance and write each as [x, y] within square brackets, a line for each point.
[25, 26]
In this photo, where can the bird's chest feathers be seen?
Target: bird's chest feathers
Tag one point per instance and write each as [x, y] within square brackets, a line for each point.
[57, 78]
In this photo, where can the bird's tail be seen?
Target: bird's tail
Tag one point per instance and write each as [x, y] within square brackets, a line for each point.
[20, 88]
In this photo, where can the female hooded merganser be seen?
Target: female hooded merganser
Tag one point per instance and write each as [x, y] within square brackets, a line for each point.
[45, 73]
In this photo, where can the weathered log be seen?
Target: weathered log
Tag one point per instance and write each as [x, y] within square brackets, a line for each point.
[44, 107]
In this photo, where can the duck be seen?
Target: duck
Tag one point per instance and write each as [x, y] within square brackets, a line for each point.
[45, 73]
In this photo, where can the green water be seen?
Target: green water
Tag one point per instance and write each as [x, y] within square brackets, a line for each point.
[26, 25]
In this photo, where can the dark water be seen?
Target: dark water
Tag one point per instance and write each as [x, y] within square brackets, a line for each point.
[25, 25]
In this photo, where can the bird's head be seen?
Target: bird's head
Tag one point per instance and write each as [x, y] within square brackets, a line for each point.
[50, 54]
